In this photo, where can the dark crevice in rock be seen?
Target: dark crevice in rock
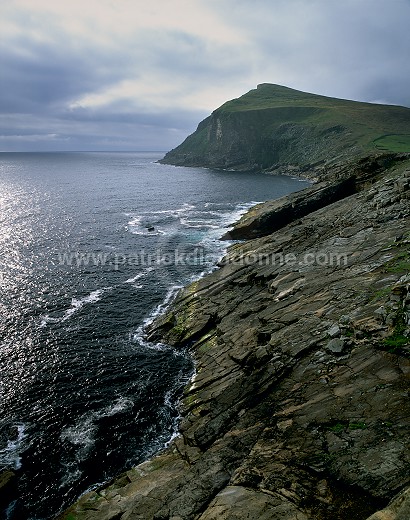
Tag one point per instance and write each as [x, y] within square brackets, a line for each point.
[349, 502]
[117, 517]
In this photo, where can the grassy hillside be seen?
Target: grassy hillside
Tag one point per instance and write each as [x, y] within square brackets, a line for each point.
[375, 126]
[273, 126]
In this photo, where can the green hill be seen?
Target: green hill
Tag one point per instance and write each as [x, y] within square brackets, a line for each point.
[274, 127]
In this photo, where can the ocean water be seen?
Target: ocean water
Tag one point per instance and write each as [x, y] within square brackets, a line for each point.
[92, 247]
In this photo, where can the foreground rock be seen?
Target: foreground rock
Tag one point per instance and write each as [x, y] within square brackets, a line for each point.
[299, 407]
[398, 509]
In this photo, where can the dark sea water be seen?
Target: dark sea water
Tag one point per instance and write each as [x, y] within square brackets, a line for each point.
[92, 247]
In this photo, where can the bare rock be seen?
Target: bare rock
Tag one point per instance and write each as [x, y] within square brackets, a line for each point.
[336, 346]
[236, 502]
[398, 509]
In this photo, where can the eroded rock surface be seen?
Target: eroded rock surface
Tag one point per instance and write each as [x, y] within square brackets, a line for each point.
[299, 407]
[398, 509]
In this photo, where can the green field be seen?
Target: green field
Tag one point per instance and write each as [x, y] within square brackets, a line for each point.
[393, 143]
[370, 125]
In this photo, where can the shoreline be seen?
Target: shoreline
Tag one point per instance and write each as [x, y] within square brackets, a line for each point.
[285, 354]
[161, 310]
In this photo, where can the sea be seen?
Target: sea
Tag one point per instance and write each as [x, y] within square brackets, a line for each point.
[94, 246]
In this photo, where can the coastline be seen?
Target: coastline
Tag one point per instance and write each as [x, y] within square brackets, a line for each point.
[166, 305]
[161, 310]
[275, 418]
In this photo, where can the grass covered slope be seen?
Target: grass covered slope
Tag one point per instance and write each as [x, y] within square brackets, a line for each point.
[278, 127]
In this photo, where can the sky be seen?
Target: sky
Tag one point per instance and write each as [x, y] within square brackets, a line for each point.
[135, 75]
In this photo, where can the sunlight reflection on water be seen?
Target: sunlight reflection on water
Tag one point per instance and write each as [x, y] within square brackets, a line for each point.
[74, 370]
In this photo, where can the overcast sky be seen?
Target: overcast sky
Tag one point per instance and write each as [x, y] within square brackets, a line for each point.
[140, 75]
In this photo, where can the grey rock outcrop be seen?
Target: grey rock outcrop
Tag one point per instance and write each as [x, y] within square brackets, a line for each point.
[398, 509]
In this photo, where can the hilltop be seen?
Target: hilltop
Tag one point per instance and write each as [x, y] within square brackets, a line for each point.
[278, 128]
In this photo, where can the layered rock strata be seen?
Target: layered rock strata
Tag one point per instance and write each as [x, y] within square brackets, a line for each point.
[299, 406]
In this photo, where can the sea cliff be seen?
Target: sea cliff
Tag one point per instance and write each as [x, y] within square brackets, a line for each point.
[299, 406]
[276, 128]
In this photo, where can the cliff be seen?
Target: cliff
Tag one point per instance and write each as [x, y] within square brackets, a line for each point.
[299, 407]
[281, 129]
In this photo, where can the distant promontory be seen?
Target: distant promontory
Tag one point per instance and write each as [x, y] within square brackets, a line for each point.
[278, 128]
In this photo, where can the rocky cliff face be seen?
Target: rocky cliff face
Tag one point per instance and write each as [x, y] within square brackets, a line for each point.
[234, 141]
[274, 127]
[299, 407]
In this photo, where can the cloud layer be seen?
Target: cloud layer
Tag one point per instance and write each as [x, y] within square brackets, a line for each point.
[134, 75]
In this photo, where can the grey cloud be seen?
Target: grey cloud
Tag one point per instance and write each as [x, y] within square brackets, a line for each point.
[45, 76]
[118, 113]
[198, 60]
[352, 49]
[86, 129]
[40, 83]
[355, 49]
